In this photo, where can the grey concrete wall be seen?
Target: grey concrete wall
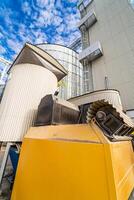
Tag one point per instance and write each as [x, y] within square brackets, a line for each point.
[115, 30]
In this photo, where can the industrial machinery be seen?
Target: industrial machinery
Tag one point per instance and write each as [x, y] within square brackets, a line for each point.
[53, 110]
[77, 161]
[110, 119]
[72, 152]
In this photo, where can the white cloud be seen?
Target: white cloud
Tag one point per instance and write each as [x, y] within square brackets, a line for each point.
[15, 45]
[59, 4]
[40, 37]
[67, 40]
[2, 30]
[6, 13]
[26, 8]
[32, 35]
[2, 50]
[42, 4]
[57, 20]
[71, 21]
[72, 1]
[45, 18]
[48, 17]
[61, 28]
[58, 40]
[42, 16]
[1, 35]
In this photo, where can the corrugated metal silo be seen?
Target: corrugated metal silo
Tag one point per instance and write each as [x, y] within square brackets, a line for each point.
[33, 75]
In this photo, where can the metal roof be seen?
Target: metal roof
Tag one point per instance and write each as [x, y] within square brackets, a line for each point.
[35, 55]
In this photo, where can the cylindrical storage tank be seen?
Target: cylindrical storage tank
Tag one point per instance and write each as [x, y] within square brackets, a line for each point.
[23, 92]
[69, 59]
[112, 96]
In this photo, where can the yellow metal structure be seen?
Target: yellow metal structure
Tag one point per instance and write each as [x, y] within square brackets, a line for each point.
[73, 162]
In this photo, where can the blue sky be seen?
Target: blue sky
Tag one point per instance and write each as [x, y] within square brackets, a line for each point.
[36, 21]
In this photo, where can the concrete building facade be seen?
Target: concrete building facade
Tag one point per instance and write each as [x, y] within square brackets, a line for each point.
[107, 30]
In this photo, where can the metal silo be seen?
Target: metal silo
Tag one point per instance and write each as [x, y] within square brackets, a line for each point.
[33, 75]
[70, 60]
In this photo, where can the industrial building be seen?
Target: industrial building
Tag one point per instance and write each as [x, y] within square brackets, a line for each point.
[72, 83]
[81, 140]
[63, 146]
[107, 31]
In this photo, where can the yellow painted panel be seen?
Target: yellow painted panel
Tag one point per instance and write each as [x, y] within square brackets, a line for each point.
[123, 166]
[75, 162]
[74, 132]
[59, 170]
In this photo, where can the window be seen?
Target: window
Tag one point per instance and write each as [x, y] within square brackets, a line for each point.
[131, 2]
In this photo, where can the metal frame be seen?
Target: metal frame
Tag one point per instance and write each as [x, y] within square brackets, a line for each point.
[4, 162]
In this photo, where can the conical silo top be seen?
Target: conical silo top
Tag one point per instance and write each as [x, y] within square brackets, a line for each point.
[35, 55]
